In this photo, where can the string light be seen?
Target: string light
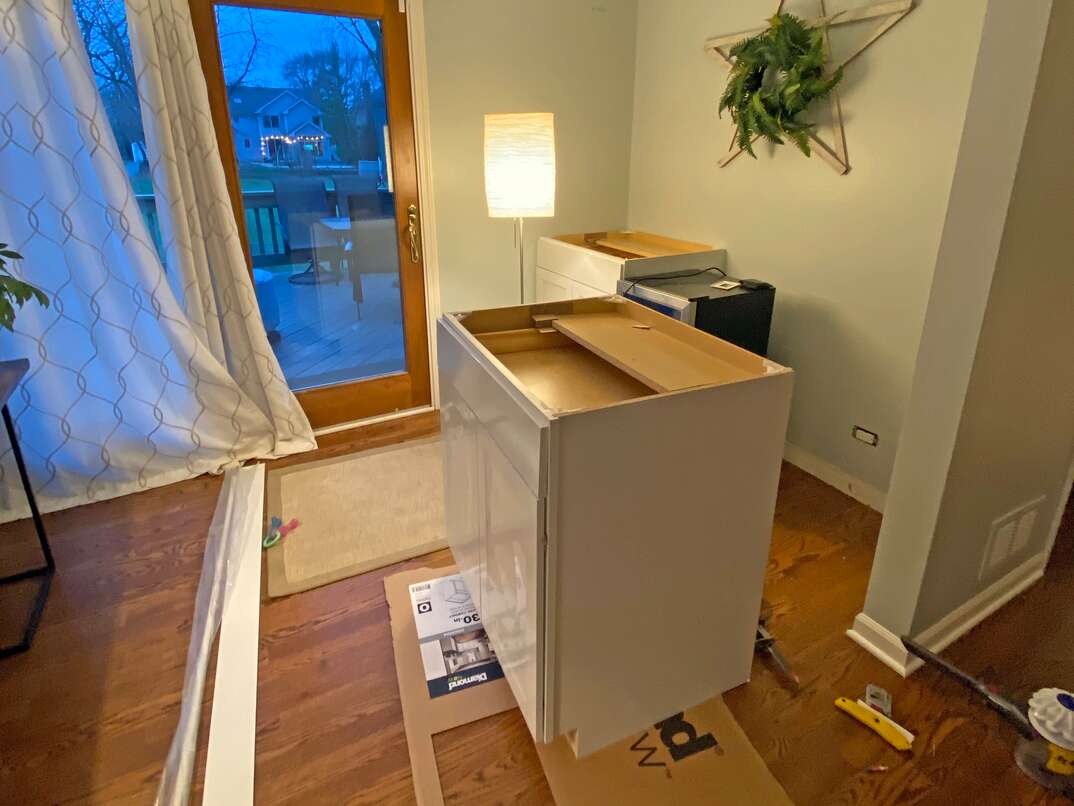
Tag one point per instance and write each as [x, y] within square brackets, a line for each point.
[289, 140]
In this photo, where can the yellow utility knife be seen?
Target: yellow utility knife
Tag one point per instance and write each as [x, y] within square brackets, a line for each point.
[888, 730]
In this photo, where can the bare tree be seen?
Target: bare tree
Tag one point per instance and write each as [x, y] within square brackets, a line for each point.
[104, 30]
[332, 76]
[367, 34]
[237, 63]
[370, 84]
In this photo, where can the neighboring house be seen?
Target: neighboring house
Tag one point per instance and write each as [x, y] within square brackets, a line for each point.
[277, 125]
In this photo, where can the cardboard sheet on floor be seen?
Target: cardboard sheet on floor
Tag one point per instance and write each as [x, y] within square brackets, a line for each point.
[699, 756]
[424, 716]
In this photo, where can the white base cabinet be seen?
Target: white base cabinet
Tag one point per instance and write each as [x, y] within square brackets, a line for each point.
[552, 287]
[592, 264]
[610, 480]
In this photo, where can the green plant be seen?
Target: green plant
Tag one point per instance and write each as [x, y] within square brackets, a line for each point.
[14, 293]
[776, 75]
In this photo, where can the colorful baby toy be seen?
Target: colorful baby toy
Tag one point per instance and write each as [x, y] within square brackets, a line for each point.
[278, 530]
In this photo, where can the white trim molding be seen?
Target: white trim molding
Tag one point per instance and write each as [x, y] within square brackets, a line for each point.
[379, 418]
[229, 764]
[419, 93]
[888, 648]
[857, 489]
[883, 644]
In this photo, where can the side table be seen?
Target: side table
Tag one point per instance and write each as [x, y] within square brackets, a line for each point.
[11, 374]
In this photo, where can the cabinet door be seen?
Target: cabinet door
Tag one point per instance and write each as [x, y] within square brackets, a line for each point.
[552, 287]
[583, 291]
[464, 492]
[512, 599]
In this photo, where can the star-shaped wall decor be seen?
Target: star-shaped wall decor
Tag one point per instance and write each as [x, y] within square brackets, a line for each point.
[889, 13]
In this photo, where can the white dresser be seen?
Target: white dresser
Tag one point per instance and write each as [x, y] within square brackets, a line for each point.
[610, 479]
[591, 264]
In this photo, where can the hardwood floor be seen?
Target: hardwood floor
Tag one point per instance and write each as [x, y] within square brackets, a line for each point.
[87, 715]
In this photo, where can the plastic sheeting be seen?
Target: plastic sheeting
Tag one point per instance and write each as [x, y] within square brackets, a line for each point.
[234, 537]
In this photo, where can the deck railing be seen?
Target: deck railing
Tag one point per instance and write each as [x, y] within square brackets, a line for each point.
[264, 228]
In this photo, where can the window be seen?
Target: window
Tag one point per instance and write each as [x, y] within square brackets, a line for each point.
[318, 300]
[246, 142]
[103, 24]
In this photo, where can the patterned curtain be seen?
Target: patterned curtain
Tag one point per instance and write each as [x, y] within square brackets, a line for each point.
[140, 377]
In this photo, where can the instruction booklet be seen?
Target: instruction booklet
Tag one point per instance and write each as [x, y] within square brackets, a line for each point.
[455, 649]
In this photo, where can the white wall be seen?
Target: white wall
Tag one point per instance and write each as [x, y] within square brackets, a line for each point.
[851, 256]
[575, 59]
[991, 419]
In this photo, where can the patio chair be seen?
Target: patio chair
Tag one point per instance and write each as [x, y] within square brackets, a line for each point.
[303, 202]
[373, 249]
[362, 190]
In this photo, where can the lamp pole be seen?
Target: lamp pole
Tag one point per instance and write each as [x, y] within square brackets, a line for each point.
[521, 266]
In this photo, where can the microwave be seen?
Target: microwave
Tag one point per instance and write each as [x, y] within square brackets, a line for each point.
[742, 316]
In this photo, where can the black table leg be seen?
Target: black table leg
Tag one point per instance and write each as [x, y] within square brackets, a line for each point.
[45, 571]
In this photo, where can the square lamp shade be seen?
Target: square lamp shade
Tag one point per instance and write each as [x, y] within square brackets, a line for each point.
[520, 165]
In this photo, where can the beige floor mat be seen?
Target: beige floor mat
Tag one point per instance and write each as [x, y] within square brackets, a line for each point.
[356, 512]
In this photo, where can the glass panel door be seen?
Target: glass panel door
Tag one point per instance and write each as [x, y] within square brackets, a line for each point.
[305, 101]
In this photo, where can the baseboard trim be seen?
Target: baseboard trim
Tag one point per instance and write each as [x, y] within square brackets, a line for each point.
[888, 648]
[836, 477]
[963, 619]
[882, 644]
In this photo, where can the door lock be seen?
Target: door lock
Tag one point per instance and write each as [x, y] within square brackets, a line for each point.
[414, 233]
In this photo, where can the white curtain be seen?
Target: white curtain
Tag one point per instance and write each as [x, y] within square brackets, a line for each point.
[206, 264]
[139, 376]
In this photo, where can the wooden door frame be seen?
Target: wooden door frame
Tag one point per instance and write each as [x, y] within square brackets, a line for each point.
[381, 396]
[419, 93]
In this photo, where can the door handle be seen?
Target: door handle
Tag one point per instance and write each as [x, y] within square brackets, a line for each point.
[414, 232]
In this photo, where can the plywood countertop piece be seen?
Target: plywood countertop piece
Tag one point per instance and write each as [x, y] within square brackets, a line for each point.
[632, 243]
[658, 360]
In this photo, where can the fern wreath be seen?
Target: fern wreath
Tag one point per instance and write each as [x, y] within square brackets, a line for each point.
[775, 77]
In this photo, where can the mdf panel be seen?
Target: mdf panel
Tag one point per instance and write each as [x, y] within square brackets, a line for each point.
[662, 528]
[512, 598]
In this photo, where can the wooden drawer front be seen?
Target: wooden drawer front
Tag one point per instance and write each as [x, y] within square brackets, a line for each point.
[511, 421]
[585, 266]
[513, 599]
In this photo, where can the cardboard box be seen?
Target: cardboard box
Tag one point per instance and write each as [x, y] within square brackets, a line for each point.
[700, 756]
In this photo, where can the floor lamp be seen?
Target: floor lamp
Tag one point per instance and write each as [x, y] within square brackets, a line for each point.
[520, 171]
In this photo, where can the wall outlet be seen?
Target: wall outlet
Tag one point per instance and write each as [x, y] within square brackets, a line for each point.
[865, 435]
[1010, 536]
